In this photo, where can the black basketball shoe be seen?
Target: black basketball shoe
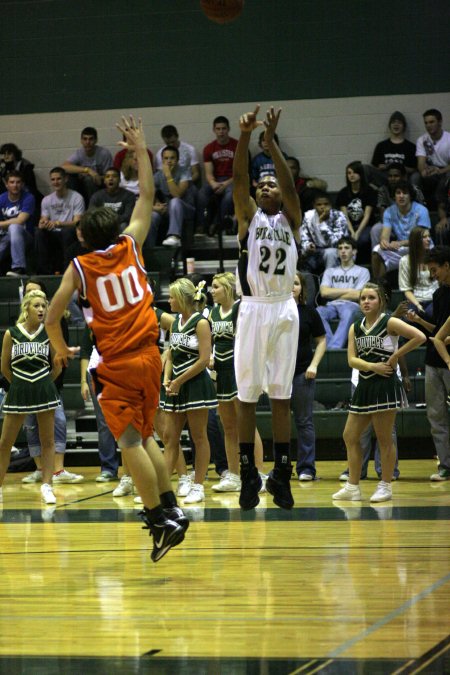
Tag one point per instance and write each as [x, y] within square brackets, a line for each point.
[251, 485]
[176, 514]
[278, 485]
[166, 534]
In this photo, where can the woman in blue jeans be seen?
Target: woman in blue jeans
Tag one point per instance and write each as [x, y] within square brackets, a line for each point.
[304, 384]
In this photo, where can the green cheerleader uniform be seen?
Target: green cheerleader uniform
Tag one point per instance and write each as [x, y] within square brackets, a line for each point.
[223, 328]
[373, 392]
[198, 392]
[32, 389]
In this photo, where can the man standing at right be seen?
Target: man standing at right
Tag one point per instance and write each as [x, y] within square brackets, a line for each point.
[267, 327]
[433, 156]
[437, 374]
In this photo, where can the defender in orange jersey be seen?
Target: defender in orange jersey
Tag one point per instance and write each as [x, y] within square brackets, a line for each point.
[116, 300]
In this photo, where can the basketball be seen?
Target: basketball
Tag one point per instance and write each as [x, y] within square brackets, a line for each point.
[222, 11]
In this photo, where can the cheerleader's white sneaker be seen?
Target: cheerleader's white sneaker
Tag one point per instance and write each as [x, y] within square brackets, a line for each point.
[229, 482]
[196, 494]
[47, 494]
[349, 493]
[124, 488]
[383, 493]
[184, 485]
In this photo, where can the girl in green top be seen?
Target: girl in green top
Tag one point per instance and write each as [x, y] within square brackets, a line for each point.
[373, 350]
[26, 364]
[188, 386]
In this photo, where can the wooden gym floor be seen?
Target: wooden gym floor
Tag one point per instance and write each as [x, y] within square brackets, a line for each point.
[326, 589]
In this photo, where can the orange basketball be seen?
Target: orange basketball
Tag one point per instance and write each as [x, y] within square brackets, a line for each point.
[222, 11]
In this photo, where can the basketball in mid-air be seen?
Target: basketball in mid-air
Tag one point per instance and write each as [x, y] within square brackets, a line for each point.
[222, 11]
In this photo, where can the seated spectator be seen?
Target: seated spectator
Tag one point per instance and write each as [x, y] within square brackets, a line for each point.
[340, 288]
[129, 173]
[442, 229]
[11, 160]
[60, 212]
[358, 201]
[398, 221]
[396, 149]
[215, 199]
[321, 230]
[120, 156]
[394, 173]
[414, 276]
[172, 202]
[188, 158]
[433, 156]
[87, 165]
[16, 208]
[306, 186]
[113, 196]
[262, 163]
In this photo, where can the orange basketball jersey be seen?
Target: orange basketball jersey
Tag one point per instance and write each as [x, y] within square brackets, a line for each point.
[116, 298]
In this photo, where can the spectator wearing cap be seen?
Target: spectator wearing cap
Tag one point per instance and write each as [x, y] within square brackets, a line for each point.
[396, 149]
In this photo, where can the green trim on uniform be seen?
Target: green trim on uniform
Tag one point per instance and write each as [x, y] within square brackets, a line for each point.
[223, 328]
[198, 392]
[373, 392]
[32, 389]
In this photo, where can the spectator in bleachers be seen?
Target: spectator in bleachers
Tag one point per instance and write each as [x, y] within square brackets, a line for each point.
[17, 206]
[306, 186]
[413, 275]
[120, 156]
[396, 149]
[304, 383]
[398, 221]
[340, 288]
[395, 174]
[442, 229]
[358, 201]
[262, 163]
[11, 159]
[215, 200]
[88, 164]
[321, 230]
[129, 174]
[172, 189]
[113, 196]
[433, 156]
[188, 158]
[60, 212]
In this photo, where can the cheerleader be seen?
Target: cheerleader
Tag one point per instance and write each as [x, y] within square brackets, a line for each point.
[373, 350]
[26, 364]
[189, 391]
[223, 320]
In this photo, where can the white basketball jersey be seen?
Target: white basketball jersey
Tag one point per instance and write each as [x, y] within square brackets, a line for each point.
[268, 257]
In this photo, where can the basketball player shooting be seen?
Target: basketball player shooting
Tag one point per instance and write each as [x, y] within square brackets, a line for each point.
[267, 327]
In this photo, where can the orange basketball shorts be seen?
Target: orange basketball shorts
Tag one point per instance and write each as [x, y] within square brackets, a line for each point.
[127, 389]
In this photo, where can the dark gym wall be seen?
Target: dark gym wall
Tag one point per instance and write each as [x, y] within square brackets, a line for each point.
[60, 55]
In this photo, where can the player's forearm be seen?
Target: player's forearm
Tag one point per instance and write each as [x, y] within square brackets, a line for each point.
[240, 162]
[54, 332]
